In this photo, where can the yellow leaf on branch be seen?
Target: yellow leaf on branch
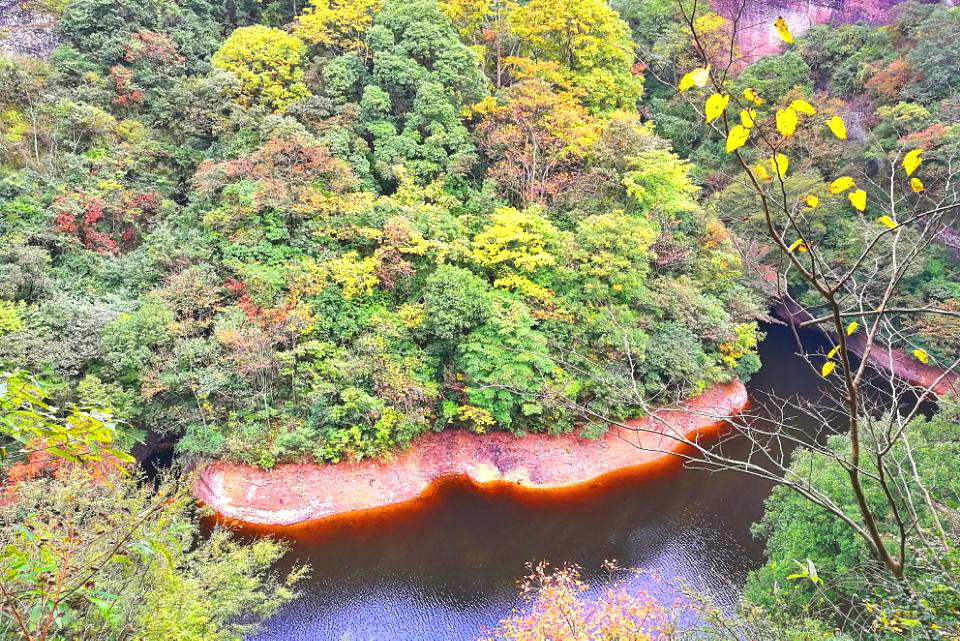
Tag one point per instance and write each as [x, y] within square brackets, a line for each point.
[827, 368]
[748, 117]
[696, 78]
[750, 94]
[783, 30]
[833, 352]
[840, 185]
[858, 199]
[715, 106]
[761, 171]
[916, 185]
[799, 246]
[811, 201]
[852, 327]
[804, 107]
[780, 164]
[912, 161]
[737, 138]
[921, 355]
[837, 128]
[889, 222]
[786, 121]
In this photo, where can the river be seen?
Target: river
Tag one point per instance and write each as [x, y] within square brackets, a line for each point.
[446, 569]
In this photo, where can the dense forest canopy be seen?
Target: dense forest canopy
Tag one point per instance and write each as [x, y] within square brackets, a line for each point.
[262, 233]
[322, 241]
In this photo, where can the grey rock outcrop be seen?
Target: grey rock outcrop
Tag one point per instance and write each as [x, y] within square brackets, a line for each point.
[26, 31]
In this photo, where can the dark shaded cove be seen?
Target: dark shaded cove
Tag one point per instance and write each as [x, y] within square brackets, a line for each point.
[446, 569]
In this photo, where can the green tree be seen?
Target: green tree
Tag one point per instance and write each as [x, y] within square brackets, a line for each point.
[104, 29]
[422, 78]
[508, 371]
[119, 560]
[774, 77]
[795, 530]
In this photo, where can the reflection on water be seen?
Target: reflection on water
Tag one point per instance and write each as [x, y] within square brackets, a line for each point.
[446, 568]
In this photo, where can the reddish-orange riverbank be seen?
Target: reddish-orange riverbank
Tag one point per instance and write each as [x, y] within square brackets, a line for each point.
[294, 494]
[904, 366]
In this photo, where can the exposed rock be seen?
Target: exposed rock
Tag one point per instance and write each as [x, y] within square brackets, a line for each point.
[756, 35]
[25, 31]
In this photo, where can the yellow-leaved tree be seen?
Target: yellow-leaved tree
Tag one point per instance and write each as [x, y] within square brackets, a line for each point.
[586, 41]
[267, 62]
[336, 24]
[515, 247]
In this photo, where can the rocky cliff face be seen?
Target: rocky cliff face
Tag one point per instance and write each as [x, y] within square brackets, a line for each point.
[24, 30]
[757, 37]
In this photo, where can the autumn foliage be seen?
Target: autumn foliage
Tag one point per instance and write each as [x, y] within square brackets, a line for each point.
[561, 609]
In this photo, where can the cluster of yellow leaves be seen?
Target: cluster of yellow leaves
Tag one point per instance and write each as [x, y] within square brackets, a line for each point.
[321, 203]
[13, 126]
[788, 118]
[10, 316]
[515, 237]
[745, 343]
[467, 16]
[830, 364]
[911, 162]
[514, 246]
[857, 197]
[477, 418]
[526, 287]
[738, 134]
[354, 275]
[751, 95]
[589, 43]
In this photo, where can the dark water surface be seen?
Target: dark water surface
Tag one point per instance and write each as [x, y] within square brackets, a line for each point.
[447, 568]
